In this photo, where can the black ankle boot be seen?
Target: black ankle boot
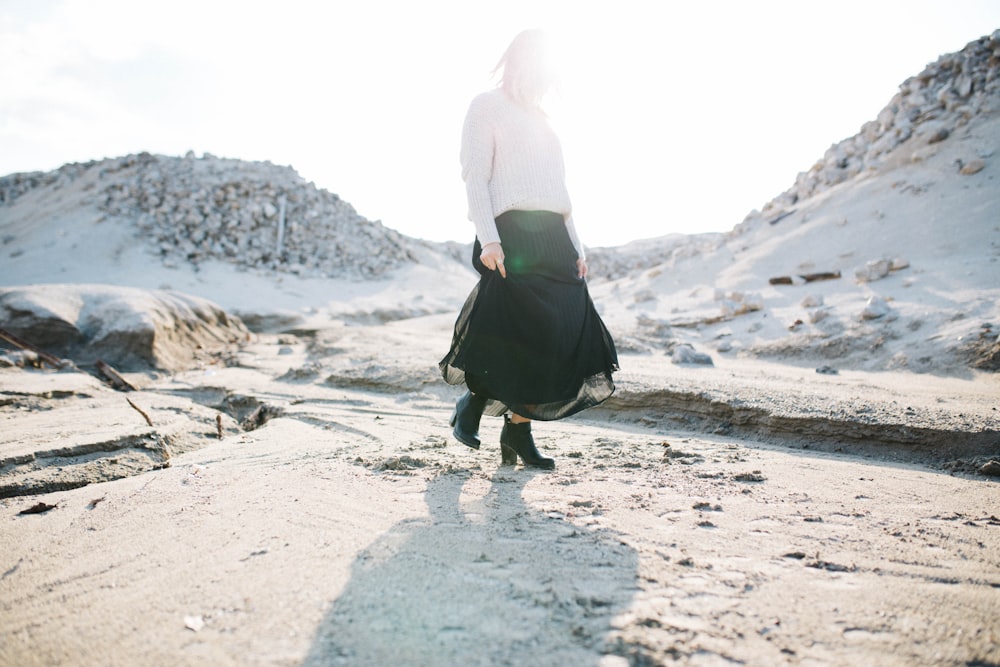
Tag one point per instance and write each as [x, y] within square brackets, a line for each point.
[465, 419]
[516, 440]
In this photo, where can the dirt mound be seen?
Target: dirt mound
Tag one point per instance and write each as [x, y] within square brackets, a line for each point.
[189, 210]
[131, 329]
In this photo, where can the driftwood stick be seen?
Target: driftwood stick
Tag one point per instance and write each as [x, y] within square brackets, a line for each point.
[117, 381]
[51, 360]
[140, 411]
[826, 275]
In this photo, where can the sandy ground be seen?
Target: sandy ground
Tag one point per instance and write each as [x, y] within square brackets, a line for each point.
[351, 529]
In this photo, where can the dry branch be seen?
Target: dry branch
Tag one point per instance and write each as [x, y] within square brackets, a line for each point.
[826, 275]
[140, 411]
[51, 360]
[114, 377]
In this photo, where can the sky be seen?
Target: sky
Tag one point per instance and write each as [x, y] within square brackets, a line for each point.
[675, 117]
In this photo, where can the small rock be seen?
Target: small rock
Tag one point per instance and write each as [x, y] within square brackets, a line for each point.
[818, 315]
[898, 264]
[686, 354]
[875, 308]
[873, 270]
[827, 370]
[753, 302]
[939, 134]
[991, 468]
[194, 623]
[812, 301]
[972, 167]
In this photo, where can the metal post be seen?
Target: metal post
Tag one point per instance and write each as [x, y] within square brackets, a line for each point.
[281, 227]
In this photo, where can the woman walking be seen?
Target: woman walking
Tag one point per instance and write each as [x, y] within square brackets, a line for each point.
[528, 340]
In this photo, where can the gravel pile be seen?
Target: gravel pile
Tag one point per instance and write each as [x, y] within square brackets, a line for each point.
[253, 214]
[928, 108]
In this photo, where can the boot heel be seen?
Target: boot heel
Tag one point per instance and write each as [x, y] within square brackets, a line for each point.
[508, 456]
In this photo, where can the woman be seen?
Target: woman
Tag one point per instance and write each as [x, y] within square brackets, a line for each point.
[528, 340]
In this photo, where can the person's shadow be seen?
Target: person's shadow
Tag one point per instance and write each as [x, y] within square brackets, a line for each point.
[492, 583]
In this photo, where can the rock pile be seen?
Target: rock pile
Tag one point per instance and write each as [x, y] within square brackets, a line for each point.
[253, 214]
[621, 261]
[15, 185]
[928, 108]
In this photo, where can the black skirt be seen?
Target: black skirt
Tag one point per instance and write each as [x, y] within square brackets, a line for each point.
[532, 343]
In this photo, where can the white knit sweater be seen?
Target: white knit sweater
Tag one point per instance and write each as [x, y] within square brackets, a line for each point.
[511, 160]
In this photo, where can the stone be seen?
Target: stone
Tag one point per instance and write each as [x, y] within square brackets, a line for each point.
[812, 301]
[875, 308]
[971, 167]
[686, 354]
[873, 270]
[818, 315]
[940, 134]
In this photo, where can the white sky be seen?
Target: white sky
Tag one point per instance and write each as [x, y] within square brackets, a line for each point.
[675, 116]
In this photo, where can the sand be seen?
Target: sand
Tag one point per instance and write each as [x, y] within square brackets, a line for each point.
[352, 529]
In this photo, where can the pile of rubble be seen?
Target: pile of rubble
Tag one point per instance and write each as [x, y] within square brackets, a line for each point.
[15, 185]
[620, 261]
[928, 108]
[253, 214]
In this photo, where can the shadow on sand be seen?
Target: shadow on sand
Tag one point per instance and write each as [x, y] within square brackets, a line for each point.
[486, 580]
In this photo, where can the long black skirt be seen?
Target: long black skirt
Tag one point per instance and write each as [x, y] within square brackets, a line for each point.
[532, 343]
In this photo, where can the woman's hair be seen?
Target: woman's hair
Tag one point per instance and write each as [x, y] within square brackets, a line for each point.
[527, 74]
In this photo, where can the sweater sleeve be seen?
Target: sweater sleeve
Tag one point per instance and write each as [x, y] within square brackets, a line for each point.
[477, 169]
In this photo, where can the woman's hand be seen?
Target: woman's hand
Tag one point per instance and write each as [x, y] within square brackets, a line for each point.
[581, 267]
[492, 258]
